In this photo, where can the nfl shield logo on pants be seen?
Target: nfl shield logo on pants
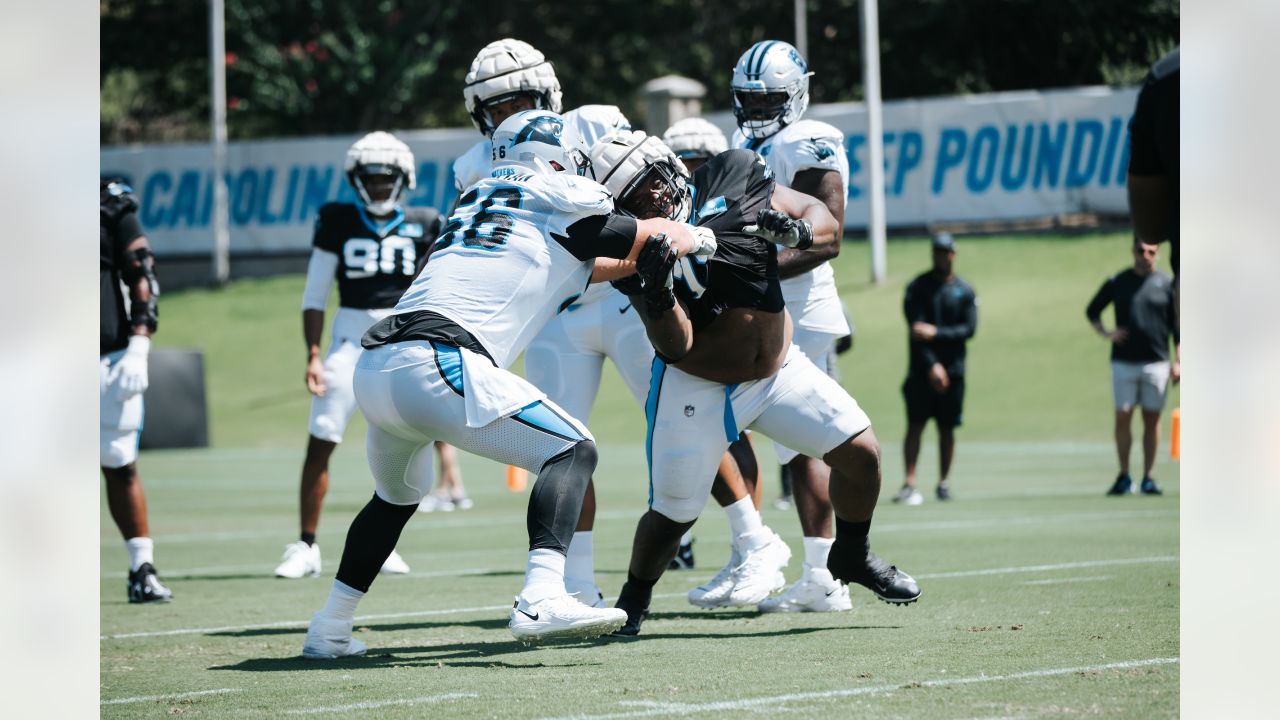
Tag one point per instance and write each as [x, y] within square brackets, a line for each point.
[688, 411]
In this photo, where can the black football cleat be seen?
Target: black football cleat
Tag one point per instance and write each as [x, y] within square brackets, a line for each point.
[887, 582]
[145, 587]
[1122, 486]
[683, 559]
[1149, 487]
[637, 609]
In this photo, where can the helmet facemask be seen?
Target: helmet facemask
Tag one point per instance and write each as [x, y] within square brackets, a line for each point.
[770, 88]
[660, 190]
[380, 187]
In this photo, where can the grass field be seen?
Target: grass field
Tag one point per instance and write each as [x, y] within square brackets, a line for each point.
[1042, 598]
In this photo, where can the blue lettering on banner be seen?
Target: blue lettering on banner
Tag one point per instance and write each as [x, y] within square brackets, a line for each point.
[1010, 180]
[910, 150]
[153, 209]
[242, 197]
[315, 191]
[851, 145]
[951, 151]
[1109, 154]
[1049, 156]
[264, 198]
[1082, 166]
[184, 199]
[1122, 167]
[981, 171]
[291, 194]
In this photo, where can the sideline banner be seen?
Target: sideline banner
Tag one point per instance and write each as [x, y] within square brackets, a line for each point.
[1001, 156]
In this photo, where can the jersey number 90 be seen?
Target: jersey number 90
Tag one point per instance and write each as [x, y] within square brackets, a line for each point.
[364, 258]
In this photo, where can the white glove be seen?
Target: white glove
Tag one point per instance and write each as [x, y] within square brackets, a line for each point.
[131, 371]
[777, 227]
[704, 242]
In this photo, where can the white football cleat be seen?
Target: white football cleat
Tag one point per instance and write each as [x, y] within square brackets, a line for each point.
[299, 560]
[435, 503]
[714, 593]
[760, 572]
[561, 616]
[329, 639]
[815, 591]
[394, 565]
[587, 593]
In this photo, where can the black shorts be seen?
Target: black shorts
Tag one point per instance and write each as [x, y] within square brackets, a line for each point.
[923, 403]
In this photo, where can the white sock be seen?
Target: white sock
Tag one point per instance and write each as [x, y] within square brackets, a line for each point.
[579, 565]
[139, 549]
[687, 537]
[342, 601]
[754, 540]
[544, 575]
[816, 550]
[743, 517]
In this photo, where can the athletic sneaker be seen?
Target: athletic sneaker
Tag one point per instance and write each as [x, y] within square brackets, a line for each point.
[462, 502]
[760, 573]
[944, 491]
[684, 557]
[329, 639]
[908, 495]
[394, 565]
[145, 587]
[435, 503]
[714, 593]
[636, 611]
[587, 593]
[1122, 486]
[1149, 487]
[561, 616]
[815, 591]
[887, 582]
[783, 502]
[299, 560]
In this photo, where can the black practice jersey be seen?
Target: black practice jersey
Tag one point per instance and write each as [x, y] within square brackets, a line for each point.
[728, 191]
[114, 237]
[1153, 137]
[952, 307]
[377, 261]
[1144, 308]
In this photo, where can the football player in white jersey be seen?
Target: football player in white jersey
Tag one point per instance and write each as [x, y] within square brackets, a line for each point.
[373, 248]
[770, 94]
[566, 359]
[521, 244]
[725, 361]
[695, 141]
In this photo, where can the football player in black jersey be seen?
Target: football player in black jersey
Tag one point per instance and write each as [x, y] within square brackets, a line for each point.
[726, 361]
[124, 344]
[373, 248]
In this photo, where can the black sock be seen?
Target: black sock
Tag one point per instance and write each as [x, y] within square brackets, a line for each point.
[854, 533]
[309, 538]
[371, 538]
[637, 592]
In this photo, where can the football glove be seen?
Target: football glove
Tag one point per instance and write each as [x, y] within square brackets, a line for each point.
[704, 242]
[778, 227]
[653, 266]
[130, 372]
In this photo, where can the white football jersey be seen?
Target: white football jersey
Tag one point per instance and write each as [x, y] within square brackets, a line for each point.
[496, 270]
[806, 145]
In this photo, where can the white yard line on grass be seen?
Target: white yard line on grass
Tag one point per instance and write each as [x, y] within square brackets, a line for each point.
[373, 704]
[666, 708]
[492, 608]
[172, 696]
[1059, 581]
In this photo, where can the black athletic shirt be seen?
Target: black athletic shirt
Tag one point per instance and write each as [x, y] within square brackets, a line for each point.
[952, 307]
[114, 238]
[728, 191]
[1153, 137]
[1144, 307]
[377, 260]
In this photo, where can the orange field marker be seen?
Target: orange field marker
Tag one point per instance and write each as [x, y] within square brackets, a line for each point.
[517, 477]
[1175, 435]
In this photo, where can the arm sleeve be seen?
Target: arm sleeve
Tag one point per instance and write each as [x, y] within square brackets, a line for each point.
[963, 330]
[128, 230]
[911, 308]
[1101, 300]
[321, 270]
[610, 235]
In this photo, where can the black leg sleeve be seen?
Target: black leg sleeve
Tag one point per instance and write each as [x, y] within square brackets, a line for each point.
[556, 500]
[371, 538]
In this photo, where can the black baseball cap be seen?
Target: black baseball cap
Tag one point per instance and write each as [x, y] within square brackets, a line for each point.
[944, 241]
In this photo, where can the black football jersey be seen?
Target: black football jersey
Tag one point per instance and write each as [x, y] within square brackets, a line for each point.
[727, 192]
[377, 261]
[114, 236]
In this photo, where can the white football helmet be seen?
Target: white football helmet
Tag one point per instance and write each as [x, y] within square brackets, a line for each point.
[537, 140]
[504, 69]
[380, 153]
[645, 177]
[770, 88]
[695, 139]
